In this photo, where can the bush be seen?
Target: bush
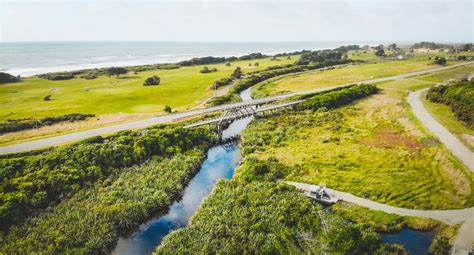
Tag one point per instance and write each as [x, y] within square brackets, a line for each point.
[47, 98]
[459, 97]
[57, 76]
[223, 82]
[6, 78]
[335, 98]
[117, 71]
[440, 246]
[168, 109]
[206, 69]
[28, 123]
[440, 61]
[237, 73]
[154, 80]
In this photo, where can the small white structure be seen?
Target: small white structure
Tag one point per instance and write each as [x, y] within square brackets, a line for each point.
[321, 195]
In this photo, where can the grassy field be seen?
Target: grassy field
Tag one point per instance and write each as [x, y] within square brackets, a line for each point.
[381, 68]
[373, 149]
[180, 88]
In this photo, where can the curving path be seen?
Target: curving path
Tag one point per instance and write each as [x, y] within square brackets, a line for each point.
[465, 235]
[56, 140]
[447, 138]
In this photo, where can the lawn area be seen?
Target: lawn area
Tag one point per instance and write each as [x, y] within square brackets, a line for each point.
[317, 79]
[445, 116]
[373, 149]
[180, 88]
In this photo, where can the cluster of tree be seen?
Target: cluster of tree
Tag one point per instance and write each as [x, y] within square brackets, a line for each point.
[338, 97]
[91, 221]
[291, 53]
[33, 182]
[237, 74]
[429, 45]
[203, 61]
[347, 48]
[29, 123]
[252, 56]
[116, 71]
[459, 97]
[57, 76]
[320, 56]
[206, 69]
[466, 47]
[89, 76]
[263, 217]
[7, 78]
[154, 80]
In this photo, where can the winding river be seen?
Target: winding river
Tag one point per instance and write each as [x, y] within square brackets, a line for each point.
[220, 163]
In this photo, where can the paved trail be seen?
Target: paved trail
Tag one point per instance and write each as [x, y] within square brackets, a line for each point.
[447, 138]
[37, 144]
[465, 216]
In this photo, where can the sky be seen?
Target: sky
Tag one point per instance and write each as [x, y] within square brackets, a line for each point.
[219, 20]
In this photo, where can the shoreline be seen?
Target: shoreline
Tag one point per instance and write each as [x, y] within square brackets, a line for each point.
[160, 59]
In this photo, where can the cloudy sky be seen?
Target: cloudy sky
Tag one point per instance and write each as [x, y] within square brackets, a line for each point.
[219, 20]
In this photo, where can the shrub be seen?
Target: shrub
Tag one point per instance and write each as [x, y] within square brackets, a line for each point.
[6, 78]
[154, 80]
[168, 109]
[206, 69]
[223, 82]
[57, 76]
[28, 123]
[459, 97]
[116, 71]
[47, 98]
[440, 246]
[237, 73]
[440, 61]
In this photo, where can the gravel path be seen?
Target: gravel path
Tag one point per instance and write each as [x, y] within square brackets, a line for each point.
[447, 138]
[56, 140]
[465, 235]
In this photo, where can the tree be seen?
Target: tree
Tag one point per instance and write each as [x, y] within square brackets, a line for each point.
[116, 71]
[440, 246]
[380, 53]
[237, 73]
[168, 109]
[5, 78]
[440, 61]
[256, 64]
[392, 47]
[154, 80]
[47, 98]
[227, 64]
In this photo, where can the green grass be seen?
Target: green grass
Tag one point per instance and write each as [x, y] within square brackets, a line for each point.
[379, 68]
[180, 88]
[445, 116]
[406, 84]
[371, 149]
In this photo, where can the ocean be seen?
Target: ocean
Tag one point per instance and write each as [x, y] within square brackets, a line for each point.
[31, 58]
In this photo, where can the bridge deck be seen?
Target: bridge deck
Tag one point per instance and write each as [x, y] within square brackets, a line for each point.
[216, 120]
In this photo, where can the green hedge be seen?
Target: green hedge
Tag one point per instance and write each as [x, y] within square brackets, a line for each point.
[338, 97]
[459, 97]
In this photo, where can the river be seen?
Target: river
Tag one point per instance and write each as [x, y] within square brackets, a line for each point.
[220, 163]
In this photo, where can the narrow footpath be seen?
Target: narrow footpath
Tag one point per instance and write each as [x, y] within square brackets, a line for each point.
[464, 154]
[465, 235]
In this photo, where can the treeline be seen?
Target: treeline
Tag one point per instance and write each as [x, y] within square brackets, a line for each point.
[7, 78]
[325, 57]
[459, 97]
[91, 221]
[337, 97]
[263, 217]
[429, 45]
[31, 183]
[29, 123]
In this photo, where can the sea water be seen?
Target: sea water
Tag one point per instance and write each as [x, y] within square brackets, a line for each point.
[30, 58]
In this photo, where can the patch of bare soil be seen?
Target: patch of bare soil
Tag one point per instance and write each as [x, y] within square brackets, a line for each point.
[388, 137]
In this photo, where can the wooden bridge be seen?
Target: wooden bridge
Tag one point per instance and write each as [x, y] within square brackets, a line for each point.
[242, 111]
